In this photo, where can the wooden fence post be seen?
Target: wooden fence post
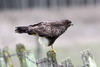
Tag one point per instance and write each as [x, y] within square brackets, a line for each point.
[51, 56]
[7, 57]
[67, 63]
[88, 59]
[2, 62]
[20, 49]
[26, 58]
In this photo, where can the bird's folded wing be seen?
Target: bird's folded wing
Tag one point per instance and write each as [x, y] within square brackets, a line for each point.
[48, 31]
[42, 31]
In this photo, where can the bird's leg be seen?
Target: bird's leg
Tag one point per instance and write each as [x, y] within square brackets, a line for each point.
[52, 49]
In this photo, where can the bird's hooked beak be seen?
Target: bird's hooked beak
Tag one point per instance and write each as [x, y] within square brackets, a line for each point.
[16, 29]
[71, 24]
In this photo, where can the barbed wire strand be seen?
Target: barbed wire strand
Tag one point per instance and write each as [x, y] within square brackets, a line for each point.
[23, 54]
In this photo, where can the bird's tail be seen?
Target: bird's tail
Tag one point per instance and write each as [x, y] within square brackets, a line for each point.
[22, 29]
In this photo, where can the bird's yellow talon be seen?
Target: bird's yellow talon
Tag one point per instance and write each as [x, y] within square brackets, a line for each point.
[52, 49]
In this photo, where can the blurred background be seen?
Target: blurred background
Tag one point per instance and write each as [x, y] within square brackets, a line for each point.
[85, 34]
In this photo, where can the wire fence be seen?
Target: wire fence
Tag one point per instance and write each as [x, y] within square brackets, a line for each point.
[20, 54]
[25, 58]
[24, 55]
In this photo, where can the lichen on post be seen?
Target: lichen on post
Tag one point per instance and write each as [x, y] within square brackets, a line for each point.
[67, 63]
[7, 57]
[20, 49]
[2, 62]
[51, 56]
[25, 56]
[88, 59]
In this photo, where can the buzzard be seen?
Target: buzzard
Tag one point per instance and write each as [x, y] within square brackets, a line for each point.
[48, 32]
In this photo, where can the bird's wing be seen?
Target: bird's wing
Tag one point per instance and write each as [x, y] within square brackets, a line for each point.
[36, 24]
[48, 29]
[41, 30]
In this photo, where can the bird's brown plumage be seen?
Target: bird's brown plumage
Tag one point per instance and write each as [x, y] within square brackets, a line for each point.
[50, 30]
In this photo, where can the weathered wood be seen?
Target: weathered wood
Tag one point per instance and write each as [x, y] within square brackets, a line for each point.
[45, 63]
[51, 56]
[42, 62]
[20, 49]
[88, 59]
[7, 57]
[67, 63]
[26, 57]
[2, 62]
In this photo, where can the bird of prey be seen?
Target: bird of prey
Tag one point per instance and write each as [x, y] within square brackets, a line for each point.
[48, 32]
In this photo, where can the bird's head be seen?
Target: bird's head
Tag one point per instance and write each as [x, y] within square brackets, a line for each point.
[67, 23]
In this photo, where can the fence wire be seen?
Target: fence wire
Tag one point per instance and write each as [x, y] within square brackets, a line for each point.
[20, 54]
[24, 56]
